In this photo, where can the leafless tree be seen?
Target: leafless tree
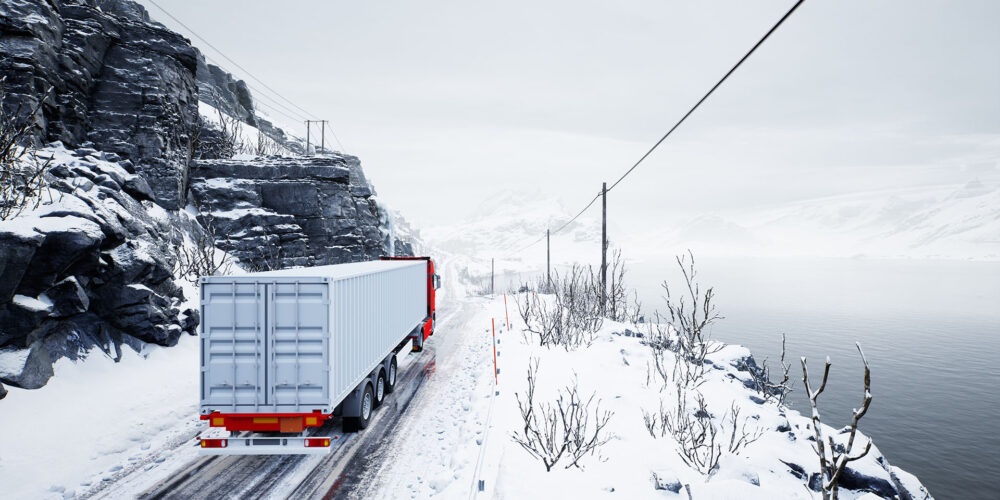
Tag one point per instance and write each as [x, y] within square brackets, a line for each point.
[202, 257]
[832, 465]
[691, 313]
[564, 429]
[22, 174]
[771, 390]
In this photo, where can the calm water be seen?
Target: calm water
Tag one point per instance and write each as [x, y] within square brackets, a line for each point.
[930, 330]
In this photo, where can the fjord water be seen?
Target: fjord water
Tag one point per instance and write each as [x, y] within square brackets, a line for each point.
[930, 331]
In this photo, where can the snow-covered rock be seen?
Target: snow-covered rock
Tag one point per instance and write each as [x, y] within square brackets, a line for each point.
[89, 267]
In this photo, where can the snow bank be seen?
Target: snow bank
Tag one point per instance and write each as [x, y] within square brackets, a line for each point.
[618, 370]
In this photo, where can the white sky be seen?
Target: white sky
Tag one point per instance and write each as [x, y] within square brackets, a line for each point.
[446, 102]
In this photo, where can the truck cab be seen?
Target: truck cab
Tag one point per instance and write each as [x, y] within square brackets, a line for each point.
[433, 284]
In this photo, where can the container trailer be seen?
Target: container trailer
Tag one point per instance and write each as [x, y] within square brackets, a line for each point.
[284, 351]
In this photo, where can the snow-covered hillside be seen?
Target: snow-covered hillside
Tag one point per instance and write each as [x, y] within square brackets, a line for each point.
[945, 222]
[949, 222]
[510, 220]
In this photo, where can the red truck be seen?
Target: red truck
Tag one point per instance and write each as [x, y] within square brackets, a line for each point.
[433, 283]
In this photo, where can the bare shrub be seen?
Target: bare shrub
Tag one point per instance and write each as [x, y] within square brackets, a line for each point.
[269, 256]
[620, 306]
[761, 376]
[832, 465]
[740, 431]
[265, 146]
[700, 442]
[22, 174]
[691, 312]
[564, 429]
[572, 319]
[660, 342]
[202, 257]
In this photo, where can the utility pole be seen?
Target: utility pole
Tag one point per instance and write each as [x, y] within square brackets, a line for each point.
[307, 136]
[604, 246]
[548, 259]
[491, 275]
[322, 139]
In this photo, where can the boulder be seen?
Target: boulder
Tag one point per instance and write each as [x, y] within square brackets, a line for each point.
[19, 317]
[18, 245]
[68, 241]
[3, 391]
[138, 188]
[68, 298]
[26, 368]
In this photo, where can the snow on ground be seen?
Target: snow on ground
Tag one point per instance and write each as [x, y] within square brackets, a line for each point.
[461, 432]
[96, 418]
[97, 421]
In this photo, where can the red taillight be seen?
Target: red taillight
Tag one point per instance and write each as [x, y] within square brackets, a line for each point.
[317, 442]
[213, 443]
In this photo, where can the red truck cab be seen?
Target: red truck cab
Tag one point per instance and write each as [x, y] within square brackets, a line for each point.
[433, 283]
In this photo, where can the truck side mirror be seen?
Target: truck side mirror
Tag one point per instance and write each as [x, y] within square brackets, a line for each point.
[437, 281]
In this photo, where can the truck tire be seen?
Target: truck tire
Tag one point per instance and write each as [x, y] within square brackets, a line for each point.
[380, 388]
[355, 424]
[390, 378]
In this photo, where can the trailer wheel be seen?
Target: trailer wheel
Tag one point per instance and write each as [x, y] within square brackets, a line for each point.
[355, 424]
[390, 379]
[380, 388]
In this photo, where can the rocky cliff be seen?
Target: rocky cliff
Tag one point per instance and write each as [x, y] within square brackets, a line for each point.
[92, 264]
[292, 211]
[110, 79]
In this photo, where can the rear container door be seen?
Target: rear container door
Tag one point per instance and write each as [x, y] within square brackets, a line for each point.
[233, 348]
[298, 337]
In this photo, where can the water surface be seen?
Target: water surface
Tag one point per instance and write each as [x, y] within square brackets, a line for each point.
[930, 330]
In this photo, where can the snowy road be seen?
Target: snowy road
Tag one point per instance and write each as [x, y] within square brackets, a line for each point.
[405, 451]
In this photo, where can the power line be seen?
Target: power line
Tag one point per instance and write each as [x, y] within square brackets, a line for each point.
[539, 240]
[717, 84]
[679, 122]
[234, 63]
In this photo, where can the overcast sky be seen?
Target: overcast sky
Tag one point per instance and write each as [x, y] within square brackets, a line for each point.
[446, 102]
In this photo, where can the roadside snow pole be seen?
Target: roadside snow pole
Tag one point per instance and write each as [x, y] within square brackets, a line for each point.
[506, 315]
[496, 371]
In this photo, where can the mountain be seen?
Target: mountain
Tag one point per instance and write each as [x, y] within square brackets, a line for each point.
[946, 222]
[510, 220]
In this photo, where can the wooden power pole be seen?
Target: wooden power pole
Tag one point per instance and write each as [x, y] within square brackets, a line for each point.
[307, 136]
[322, 138]
[604, 246]
[548, 259]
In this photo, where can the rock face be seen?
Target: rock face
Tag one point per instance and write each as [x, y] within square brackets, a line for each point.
[118, 81]
[92, 268]
[219, 89]
[292, 211]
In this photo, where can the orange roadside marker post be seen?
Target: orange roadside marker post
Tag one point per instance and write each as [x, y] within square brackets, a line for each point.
[496, 371]
[505, 315]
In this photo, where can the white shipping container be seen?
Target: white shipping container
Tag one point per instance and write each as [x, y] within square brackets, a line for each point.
[299, 340]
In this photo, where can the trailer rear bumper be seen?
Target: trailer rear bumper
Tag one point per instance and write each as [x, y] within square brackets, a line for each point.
[296, 445]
